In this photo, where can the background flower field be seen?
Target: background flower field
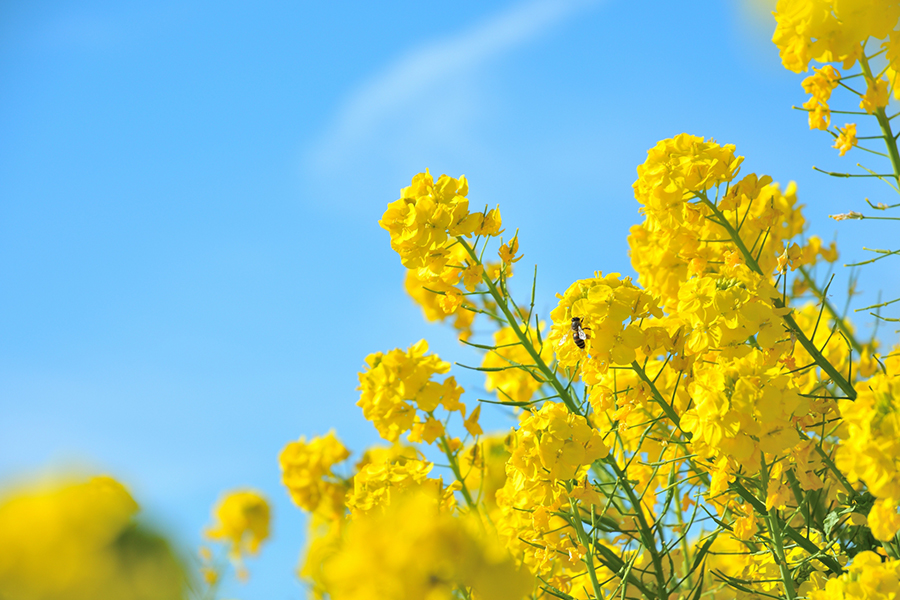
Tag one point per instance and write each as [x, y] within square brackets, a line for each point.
[194, 271]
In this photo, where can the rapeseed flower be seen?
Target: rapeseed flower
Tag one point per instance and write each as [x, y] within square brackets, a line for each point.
[242, 520]
[398, 384]
[306, 471]
[846, 139]
[79, 540]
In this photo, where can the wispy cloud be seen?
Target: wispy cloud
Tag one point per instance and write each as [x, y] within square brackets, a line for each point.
[416, 84]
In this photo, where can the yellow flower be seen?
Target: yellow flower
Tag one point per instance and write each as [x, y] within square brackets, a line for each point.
[820, 86]
[471, 423]
[876, 95]
[397, 384]
[241, 521]
[846, 139]
[306, 469]
[425, 218]
[745, 527]
[471, 276]
[416, 551]
[509, 250]
[490, 226]
[79, 540]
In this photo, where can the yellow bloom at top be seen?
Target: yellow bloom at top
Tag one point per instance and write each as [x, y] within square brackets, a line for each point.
[242, 521]
[829, 30]
[428, 215]
[679, 167]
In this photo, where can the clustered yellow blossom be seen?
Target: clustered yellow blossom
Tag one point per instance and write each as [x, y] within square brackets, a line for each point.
[427, 226]
[399, 395]
[414, 550]
[552, 447]
[846, 139]
[241, 522]
[867, 578]
[871, 445]
[306, 471]
[743, 407]
[610, 310]
[683, 235]
[829, 30]
[79, 540]
[820, 86]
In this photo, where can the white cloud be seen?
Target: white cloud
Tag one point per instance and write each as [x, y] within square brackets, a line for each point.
[416, 87]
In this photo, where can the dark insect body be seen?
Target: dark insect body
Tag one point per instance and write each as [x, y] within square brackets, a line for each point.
[578, 334]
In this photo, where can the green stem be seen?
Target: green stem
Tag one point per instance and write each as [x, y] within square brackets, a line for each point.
[842, 325]
[647, 538]
[586, 542]
[513, 322]
[884, 123]
[777, 536]
[454, 466]
[667, 408]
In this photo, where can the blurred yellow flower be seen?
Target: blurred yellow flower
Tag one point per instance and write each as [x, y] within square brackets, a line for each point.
[79, 541]
[241, 521]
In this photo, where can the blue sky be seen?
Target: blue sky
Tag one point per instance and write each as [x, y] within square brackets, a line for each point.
[191, 270]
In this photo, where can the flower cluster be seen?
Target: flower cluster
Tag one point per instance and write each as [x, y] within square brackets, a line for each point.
[820, 86]
[828, 30]
[609, 310]
[870, 448]
[306, 471]
[399, 395]
[738, 235]
[80, 540]
[428, 216]
[552, 447]
[242, 523]
[416, 550]
[428, 226]
[868, 576]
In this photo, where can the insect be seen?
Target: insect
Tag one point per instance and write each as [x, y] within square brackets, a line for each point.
[578, 334]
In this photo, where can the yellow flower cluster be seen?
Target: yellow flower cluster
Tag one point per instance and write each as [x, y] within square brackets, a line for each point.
[820, 86]
[830, 30]
[398, 394]
[742, 407]
[676, 170]
[610, 310]
[686, 234]
[416, 551]
[870, 445]
[306, 471]
[428, 215]
[427, 225]
[846, 139]
[242, 523]
[552, 447]
[79, 541]
[866, 578]
[377, 482]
